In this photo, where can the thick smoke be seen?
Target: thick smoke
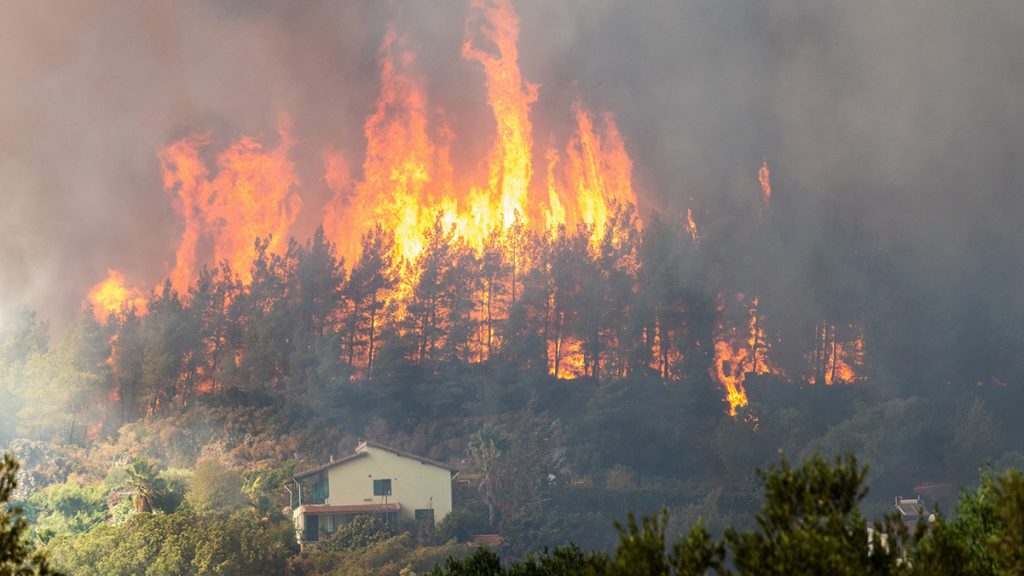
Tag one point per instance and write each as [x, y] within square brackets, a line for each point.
[898, 123]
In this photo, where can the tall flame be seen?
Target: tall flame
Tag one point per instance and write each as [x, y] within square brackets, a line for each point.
[409, 181]
[183, 170]
[253, 195]
[764, 178]
[402, 185]
[736, 357]
[691, 227]
[510, 97]
[598, 172]
[555, 216]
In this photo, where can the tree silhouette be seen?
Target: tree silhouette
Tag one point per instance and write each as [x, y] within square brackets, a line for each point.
[16, 557]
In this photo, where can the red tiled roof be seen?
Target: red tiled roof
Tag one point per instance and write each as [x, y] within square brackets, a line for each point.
[489, 540]
[409, 455]
[361, 451]
[331, 464]
[350, 508]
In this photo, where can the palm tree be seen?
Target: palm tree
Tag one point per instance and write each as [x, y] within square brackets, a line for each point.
[142, 484]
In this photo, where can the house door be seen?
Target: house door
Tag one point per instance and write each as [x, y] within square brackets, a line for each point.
[312, 528]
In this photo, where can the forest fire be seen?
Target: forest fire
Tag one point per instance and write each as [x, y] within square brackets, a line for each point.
[409, 180]
[252, 196]
[414, 202]
[532, 262]
[835, 361]
[739, 353]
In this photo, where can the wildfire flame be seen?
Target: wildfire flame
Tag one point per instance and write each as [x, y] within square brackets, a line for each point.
[764, 178]
[691, 226]
[409, 184]
[408, 178]
[835, 361]
[252, 196]
[509, 97]
[112, 294]
[598, 173]
[737, 355]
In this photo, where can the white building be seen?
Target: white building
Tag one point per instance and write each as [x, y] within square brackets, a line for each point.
[375, 479]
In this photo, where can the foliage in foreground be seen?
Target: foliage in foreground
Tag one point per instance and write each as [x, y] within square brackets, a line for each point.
[395, 555]
[181, 543]
[16, 556]
[810, 524]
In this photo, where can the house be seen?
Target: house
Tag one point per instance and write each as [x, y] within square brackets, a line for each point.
[376, 480]
[913, 511]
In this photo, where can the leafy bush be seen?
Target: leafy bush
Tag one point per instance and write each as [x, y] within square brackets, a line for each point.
[16, 556]
[396, 555]
[462, 523]
[360, 532]
[67, 508]
[215, 486]
[183, 543]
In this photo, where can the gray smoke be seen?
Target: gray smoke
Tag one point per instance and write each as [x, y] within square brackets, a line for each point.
[901, 120]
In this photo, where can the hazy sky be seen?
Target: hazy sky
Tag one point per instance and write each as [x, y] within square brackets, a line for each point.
[904, 118]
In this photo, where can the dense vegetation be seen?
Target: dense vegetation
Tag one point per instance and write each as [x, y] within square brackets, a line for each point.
[570, 380]
[810, 524]
[16, 555]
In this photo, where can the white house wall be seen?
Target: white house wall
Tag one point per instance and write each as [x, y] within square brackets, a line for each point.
[414, 485]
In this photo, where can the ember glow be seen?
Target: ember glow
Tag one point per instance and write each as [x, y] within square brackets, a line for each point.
[691, 226]
[764, 178]
[836, 360]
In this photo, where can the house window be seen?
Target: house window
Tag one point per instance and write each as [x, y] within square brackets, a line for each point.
[425, 515]
[312, 532]
[321, 490]
[382, 487]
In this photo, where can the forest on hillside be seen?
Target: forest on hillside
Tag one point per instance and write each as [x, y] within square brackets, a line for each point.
[591, 365]
[599, 260]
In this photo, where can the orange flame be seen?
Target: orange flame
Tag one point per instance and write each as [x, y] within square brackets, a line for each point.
[598, 172]
[836, 361]
[112, 295]
[569, 352]
[735, 358]
[691, 226]
[764, 177]
[555, 216]
[404, 171]
[252, 196]
[409, 181]
[509, 97]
